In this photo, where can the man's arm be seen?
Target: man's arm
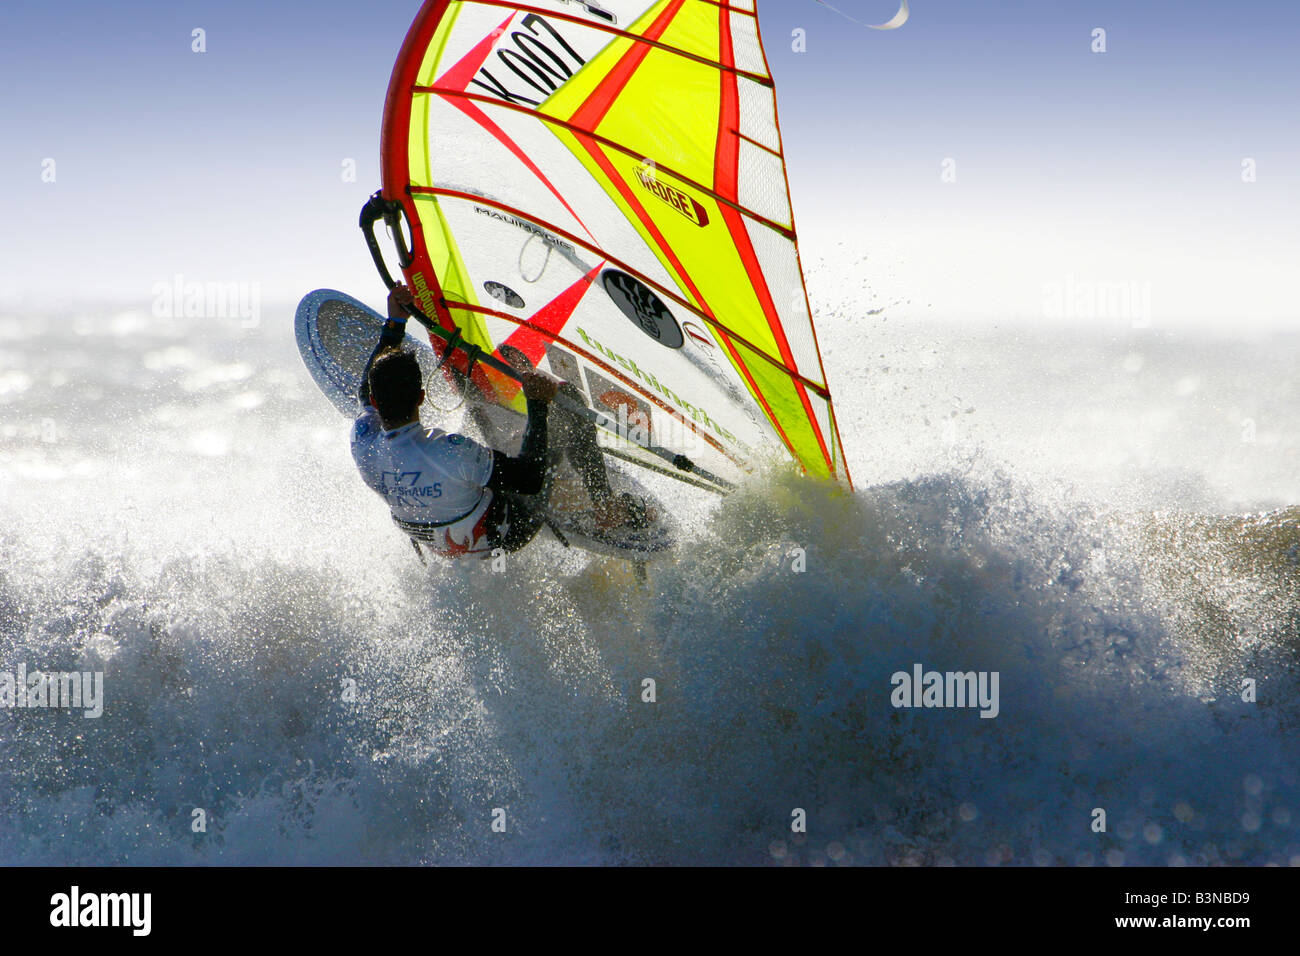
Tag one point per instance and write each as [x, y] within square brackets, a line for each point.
[393, 333]
[525, 473]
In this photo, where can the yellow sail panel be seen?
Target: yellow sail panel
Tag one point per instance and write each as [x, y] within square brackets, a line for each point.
[788, 406]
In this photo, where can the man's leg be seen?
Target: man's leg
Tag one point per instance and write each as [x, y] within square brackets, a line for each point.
[513, 521]
[574, 438]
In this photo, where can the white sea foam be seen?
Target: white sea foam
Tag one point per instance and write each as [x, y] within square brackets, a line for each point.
[274, 655]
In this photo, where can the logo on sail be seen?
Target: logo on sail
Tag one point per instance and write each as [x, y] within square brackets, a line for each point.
[646, 310]
[683, 203]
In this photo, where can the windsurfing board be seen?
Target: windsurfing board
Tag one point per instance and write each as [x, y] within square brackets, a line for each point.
[336, 334]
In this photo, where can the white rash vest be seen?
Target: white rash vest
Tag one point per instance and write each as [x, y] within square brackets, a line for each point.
[429, 478]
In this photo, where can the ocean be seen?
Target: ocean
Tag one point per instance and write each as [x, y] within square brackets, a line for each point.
[1100, 518]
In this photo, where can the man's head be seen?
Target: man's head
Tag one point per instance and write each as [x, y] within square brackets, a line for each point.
[396, 386]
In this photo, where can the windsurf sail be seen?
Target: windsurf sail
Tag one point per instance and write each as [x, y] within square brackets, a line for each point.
[601, 187]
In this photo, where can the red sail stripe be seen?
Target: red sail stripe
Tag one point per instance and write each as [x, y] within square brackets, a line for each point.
[755, 390]
[457, 79]
[591, 112]
[551, 319]
[727, 175]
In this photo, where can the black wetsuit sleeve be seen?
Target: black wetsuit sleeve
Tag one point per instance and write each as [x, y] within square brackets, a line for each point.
[525, 473]
[393, 334]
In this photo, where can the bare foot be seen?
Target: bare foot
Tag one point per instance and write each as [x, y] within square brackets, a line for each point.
[623, 510]
[610, 513]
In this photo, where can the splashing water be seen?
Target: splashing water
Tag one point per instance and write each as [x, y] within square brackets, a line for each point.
[179, 511]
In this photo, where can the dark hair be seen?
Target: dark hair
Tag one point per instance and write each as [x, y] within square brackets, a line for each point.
[395, 384]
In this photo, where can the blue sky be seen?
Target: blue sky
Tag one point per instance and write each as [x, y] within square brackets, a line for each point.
[1070, 165]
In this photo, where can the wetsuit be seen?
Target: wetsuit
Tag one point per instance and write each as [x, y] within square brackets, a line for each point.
[456, 496]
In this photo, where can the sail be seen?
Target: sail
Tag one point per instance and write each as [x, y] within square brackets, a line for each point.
[601, 186]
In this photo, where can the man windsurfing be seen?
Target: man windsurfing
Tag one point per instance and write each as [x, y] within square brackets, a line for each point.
[451, 494]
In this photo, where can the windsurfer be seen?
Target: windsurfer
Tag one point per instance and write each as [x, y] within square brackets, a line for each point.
[452, 494]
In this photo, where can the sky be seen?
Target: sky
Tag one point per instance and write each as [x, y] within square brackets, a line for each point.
[983, 160]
